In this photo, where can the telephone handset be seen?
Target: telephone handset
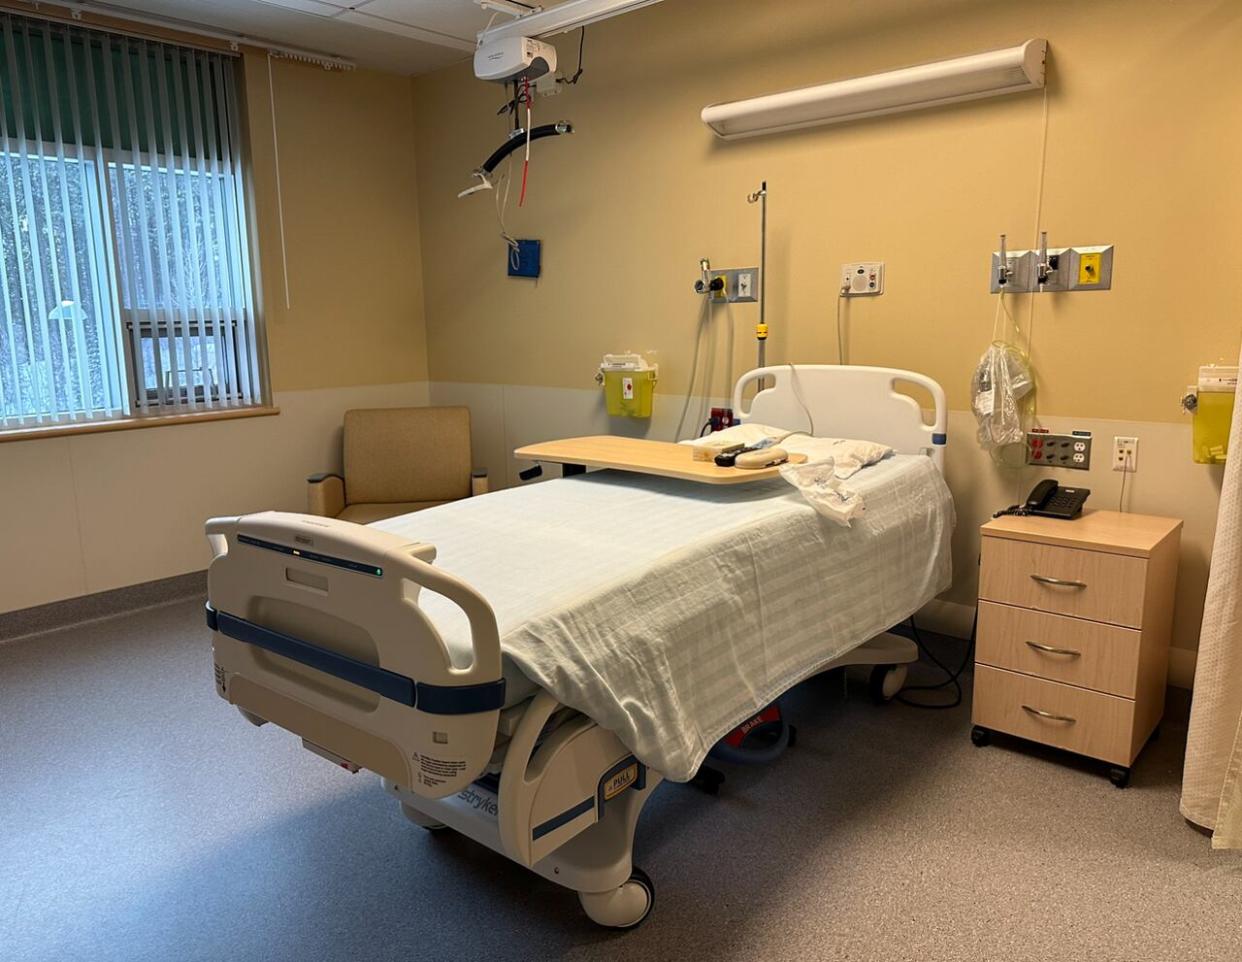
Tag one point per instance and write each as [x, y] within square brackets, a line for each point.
[1049, 500]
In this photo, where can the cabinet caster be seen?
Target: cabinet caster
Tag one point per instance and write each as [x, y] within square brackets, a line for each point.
[1119, 776]
[625, 907]
[885, 682]
[421, 820]
[980, 736]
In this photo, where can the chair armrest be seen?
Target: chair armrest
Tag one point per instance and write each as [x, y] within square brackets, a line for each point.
[325, 495]
[478, 482]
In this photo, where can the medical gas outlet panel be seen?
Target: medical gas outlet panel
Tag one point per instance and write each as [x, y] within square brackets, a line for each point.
[1052, 269]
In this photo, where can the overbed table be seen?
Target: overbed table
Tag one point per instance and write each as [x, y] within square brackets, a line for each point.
[662, 458]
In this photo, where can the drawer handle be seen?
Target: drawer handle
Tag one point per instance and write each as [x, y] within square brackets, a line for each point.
[1061, 582]
[1049, 715]
[1054, 651]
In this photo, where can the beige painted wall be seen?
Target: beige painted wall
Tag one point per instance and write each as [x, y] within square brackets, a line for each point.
[1140, 154]
[347, 176]
[85, 514]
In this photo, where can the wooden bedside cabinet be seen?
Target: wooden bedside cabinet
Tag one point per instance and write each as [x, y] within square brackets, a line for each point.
[1072, 644]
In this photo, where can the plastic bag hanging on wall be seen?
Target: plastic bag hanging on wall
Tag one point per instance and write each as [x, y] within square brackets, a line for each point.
[1001, 381]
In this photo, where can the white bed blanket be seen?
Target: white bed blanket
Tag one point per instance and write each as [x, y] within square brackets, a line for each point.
[669, 611]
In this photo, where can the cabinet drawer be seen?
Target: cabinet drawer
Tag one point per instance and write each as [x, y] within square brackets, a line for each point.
[1087, 654]
[1068, 581]
[1087, 722]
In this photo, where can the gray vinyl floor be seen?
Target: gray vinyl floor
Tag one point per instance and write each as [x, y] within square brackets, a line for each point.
[142, 819]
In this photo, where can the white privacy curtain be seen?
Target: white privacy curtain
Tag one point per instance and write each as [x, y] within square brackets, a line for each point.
[125, 285]
[1212, 779]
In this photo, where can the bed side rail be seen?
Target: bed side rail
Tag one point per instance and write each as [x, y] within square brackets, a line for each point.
[318, 629]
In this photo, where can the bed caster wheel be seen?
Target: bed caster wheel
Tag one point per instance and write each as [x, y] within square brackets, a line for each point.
[980, 736]
[421, 820]
[885, 682]
[708, 780]
[1119, 776]
[625, 907]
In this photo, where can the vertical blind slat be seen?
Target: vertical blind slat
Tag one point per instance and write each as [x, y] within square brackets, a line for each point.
[14, 391]
[40, 377]
[236, 395]
[104, 304]
[177, 294]
[159, 294]
[208, 223]
[47, 313]
[68, 317]
[229, 136]
[128, 256]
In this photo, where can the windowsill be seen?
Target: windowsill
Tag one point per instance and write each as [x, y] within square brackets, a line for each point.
[129, 424]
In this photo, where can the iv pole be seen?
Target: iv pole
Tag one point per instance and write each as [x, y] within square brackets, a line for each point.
[761, 329]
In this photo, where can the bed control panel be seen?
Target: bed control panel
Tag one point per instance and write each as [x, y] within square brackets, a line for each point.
[1071, 450]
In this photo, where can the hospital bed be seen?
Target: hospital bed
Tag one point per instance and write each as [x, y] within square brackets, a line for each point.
[529, 687]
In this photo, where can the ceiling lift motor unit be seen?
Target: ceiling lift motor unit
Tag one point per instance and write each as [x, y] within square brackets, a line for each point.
[509, 51]
[507, 59]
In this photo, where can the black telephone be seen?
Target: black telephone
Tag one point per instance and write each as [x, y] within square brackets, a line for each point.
[1049, 500]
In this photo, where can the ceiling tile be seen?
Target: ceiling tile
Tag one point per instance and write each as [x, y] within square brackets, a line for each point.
[318, 25]
[429, 34]
[322, 8]
[460, 18]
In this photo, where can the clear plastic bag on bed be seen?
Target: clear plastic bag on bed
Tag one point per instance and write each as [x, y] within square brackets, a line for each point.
[1001, 381]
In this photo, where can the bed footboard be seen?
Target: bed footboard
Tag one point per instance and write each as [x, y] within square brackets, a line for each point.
[317, 629]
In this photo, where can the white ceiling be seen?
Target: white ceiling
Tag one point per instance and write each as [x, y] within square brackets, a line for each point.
[402, 36]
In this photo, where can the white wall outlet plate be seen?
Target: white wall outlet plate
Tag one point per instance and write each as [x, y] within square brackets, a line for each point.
[862, 278]
[1125, 454]
[741, 285]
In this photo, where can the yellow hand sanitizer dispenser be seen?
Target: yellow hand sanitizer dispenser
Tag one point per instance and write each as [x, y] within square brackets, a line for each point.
[629, 384]
[1212, 405]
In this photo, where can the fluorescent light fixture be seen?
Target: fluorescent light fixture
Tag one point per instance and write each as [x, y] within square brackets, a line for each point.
[911, 88]
[562, 18]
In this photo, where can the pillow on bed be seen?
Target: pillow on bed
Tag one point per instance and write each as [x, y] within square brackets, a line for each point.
[848, 456]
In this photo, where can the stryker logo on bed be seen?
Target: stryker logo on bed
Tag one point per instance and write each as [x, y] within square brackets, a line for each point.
[479, 800]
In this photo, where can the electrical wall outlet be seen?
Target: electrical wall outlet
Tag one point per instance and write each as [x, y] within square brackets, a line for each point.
[1059, 450]
[862, 278]
[1125, 454]
[740, 285]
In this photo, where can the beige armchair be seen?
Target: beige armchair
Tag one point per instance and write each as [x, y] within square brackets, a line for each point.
[398, 460]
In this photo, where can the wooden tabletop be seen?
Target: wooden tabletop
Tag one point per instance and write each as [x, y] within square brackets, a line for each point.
[1112, 531]
[661, 458]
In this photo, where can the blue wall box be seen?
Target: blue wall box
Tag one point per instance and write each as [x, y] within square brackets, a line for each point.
[525, 261]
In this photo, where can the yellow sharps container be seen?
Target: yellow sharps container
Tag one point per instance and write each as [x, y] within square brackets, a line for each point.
[629, 385]
[1213, 412]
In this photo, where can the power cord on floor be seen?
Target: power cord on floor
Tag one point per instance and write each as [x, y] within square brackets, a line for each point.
[952, 677]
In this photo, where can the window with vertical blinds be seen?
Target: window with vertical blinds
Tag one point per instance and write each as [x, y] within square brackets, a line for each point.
[125, 280]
